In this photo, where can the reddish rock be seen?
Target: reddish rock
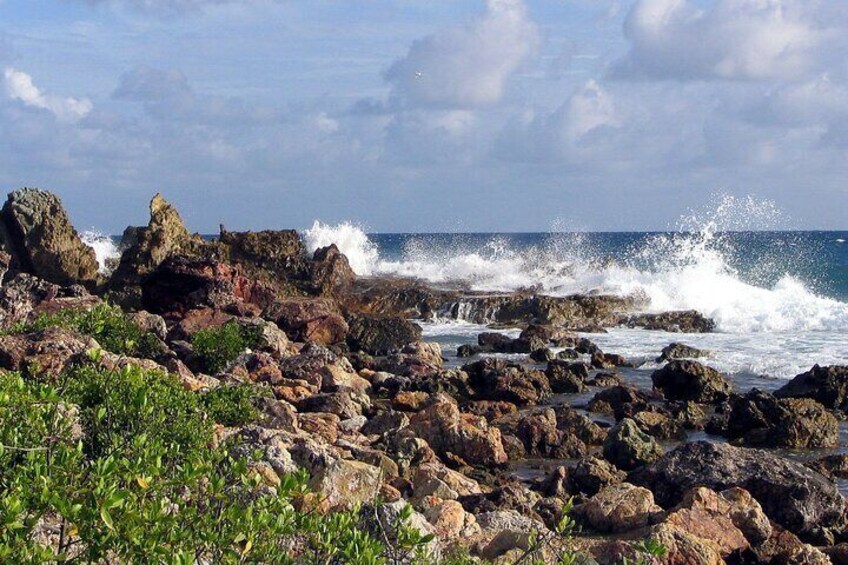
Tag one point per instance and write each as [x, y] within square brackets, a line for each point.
[180, 284]
[447, 430]
[316, 320]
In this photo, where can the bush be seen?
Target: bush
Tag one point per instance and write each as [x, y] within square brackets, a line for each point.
[109, 325]
[231, 405]
[216, 348]
[117, 407]
[126, 476]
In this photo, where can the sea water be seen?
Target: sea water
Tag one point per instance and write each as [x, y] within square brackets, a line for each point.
[779, 298]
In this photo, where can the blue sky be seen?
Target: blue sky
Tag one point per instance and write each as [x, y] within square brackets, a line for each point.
[487, 115]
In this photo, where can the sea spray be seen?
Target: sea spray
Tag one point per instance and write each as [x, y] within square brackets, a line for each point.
[351, 240]
[706, 265]
[105, 249]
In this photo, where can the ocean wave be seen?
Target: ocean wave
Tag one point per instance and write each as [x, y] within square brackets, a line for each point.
[105, 249]
[696, 268]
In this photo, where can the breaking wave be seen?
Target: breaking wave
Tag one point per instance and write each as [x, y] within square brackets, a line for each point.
[699, 266]
[105, 249]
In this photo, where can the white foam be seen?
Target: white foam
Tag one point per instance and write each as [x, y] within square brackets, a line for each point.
[351, 240]
[689, 269]
[104, 248]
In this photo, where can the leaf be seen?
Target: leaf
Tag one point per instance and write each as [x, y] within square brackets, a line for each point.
[143, 483]
[247, 548]
[106, 517]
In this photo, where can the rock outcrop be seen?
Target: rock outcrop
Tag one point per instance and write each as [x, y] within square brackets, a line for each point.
[758, 419]
[689, 380]
[40, 239]
[793, 496]
[826, 385]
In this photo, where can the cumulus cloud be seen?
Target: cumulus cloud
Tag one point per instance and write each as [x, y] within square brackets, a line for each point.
[730, 39]
[467, 66]
[19, 86]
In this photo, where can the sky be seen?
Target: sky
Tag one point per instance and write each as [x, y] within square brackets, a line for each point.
[422, 115]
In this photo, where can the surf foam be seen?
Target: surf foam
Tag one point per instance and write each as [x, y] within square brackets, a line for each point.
[104, 247]
[693, 268]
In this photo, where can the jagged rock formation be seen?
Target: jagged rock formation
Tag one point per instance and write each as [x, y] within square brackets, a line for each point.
[37, 236]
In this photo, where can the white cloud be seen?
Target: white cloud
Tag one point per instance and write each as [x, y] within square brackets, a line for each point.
[468, 66]
[589, 108]
[19, 86]
[730, 39]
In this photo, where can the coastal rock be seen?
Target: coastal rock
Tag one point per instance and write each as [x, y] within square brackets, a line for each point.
[448, 517]
[268, 254]
[388, 517]
[537, 430]
[832, 466]
[499, 379]
[380, 336]
[619, 508]
[621, 401]
[330, 272]
[343, 404]
[826, 385]
[791, 495]
[660, 426]
[447, 430]
[708, 516]
[690, 380]
[679, 351]
[566, 377]
[25, 297]
[425, 352]
[41, 240]
[310, 364]
[627, 447]
[45, 353]
[558, 336]
[343, 484]
[758, 419]
[688, 321]
[317, 320]
[180, 284]
[573, 422]
[686, 548]
[592, 474]
[147, 248]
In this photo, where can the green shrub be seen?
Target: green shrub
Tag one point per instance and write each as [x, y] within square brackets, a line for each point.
[138, 484]
[218, 347]
[231, 405]
[107, 324]
[117, 407]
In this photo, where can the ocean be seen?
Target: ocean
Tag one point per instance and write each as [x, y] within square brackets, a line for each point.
[779, 298]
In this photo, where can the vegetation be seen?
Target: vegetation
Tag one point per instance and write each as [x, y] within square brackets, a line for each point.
[118, 465]
[218, 347]
[231, 405]
[114, 330]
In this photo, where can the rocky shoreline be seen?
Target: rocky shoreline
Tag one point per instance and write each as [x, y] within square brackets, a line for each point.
[375, 415]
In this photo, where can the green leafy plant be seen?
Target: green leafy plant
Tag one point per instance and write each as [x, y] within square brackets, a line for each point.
[647, 551]
[231, 405]
[116, 466]
[114, 330]
[218, 347]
